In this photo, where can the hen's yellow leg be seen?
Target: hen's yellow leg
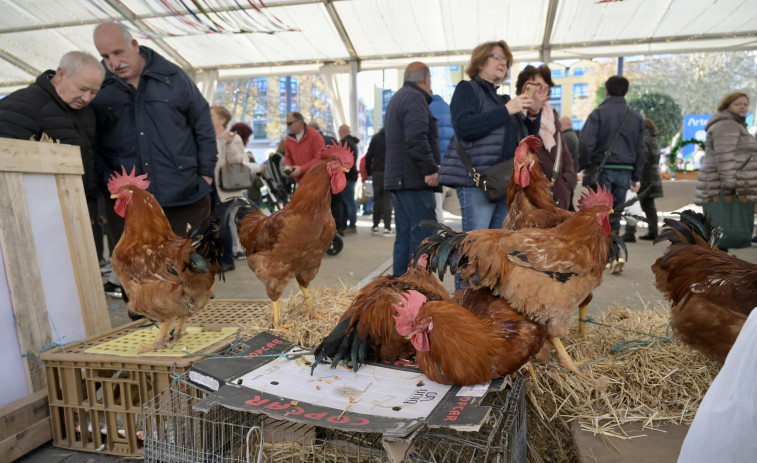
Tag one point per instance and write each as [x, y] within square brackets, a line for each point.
[160, 342]
[179, 330]
[564, 359]
[277, 320]
[309, 311]
[583, 311]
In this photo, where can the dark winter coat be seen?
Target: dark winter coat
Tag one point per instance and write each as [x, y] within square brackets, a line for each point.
[603, 123]
[485, 129]
[412, 140]
[163, 128]
[38, 109]
[650, 177]
[566, 180]
[376, 154]
[352, 143]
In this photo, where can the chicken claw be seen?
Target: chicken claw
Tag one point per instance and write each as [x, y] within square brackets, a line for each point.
[309, 311]
[564, 358]
[161, 342]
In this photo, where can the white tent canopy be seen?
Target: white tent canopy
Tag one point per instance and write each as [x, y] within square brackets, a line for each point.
[225, 38]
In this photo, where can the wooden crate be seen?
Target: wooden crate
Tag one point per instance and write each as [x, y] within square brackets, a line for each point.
[96, 399]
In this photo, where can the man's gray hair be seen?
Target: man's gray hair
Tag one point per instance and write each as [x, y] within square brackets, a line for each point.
[124, 31]
[73, 62]
[417, 75]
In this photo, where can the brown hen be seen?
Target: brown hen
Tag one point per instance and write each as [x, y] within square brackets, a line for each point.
[711, 291]
[290, 243]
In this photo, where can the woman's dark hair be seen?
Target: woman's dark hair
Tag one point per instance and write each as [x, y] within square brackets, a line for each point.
[529, 72]
[243, 130]
[650, 125]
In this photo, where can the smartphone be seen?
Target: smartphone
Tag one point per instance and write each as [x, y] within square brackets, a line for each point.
[529, 89]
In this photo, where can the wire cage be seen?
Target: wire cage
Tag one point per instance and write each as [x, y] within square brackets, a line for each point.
[175, 433]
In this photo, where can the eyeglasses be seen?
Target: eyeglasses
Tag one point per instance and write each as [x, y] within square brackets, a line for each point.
[290, 123]
[498, 57]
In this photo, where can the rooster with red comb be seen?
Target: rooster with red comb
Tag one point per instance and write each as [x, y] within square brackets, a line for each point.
[166, 277]
[290, 243]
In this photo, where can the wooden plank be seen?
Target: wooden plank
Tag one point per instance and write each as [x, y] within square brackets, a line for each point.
[23, 413]
[83, 254]
[23, 275]
[39, 158]
[26, 440]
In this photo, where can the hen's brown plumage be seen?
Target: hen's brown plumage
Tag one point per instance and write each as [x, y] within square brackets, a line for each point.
[366, 329]
[480, 340]
[155, 265]
[290, 243]
[711, 291]
[530, 203]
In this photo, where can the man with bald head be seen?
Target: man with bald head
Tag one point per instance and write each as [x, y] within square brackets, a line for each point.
[151, 116]
[412, 161]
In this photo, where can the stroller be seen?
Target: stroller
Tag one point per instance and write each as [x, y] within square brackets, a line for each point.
[275, 194]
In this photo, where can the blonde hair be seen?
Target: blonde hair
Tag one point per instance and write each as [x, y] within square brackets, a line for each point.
[481, 53]
[223, 113]
[730, 98]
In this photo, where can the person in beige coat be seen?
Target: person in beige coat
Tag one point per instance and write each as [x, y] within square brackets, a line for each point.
[730, 161]
[230, 156]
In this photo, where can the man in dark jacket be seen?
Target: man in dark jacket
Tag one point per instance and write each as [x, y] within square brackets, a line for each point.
[382, 200]
[57, 105]
[150, 115]
[349, 207]
[623, 168]
[412, 161]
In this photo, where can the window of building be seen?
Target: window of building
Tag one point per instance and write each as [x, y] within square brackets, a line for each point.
[557, 72]
[580, 91]
[580, 71]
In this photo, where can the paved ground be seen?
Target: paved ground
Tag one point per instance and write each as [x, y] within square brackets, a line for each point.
[365, 256]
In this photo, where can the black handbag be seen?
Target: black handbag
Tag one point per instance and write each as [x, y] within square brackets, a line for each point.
[592, 173]
[235, 178]
[494, 180]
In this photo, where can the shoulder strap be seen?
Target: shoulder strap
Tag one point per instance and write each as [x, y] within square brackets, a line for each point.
[558, 158]
[608, 151]
[466, 161]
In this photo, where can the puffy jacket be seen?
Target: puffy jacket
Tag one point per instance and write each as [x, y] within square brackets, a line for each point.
[412, 140]
[440, 109]
[163, 128]
[730, 161]
[38, 109]
[485, 128]
[600, 128]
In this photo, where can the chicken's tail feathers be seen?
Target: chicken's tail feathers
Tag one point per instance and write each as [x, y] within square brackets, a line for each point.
[617, 245]
[245, 206]
[206, 239]
[690, 225]
[440, 247]
[341, 345]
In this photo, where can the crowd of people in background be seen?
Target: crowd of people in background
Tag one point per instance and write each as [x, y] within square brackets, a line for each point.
[424, 147]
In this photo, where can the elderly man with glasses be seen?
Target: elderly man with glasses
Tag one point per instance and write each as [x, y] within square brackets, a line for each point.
[302, 146]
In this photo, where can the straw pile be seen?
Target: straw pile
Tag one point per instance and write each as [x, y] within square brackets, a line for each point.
[653, 381]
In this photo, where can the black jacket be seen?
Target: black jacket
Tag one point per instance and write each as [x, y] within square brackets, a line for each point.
[352, 144]
[412, 140]
[37, 109]
[376, 154]
[163, 128]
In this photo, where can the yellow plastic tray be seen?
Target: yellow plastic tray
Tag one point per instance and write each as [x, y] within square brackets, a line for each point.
[195, 340]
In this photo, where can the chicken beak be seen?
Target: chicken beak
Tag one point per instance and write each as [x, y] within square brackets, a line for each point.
[113, 196]
[345, 170]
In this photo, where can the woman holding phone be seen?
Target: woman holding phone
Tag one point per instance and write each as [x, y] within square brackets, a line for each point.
[538, 81]
[488, 126]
